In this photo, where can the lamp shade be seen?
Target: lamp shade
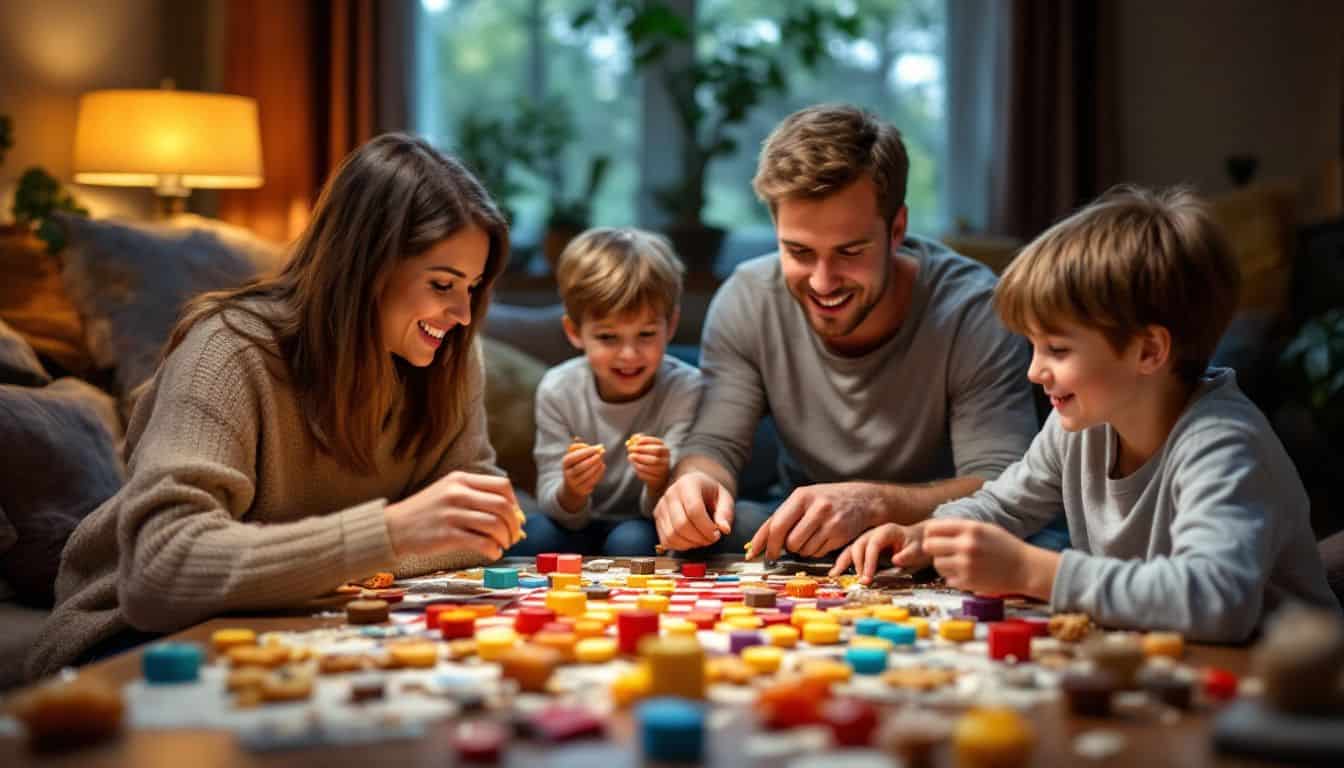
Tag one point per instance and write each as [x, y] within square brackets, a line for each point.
[143, 138]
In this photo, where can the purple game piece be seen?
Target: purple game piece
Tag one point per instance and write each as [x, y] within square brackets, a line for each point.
[983, 608]
[824, 603]
[743, 638]
[784, 605]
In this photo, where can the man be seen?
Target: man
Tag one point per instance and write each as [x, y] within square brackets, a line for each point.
[891, 381]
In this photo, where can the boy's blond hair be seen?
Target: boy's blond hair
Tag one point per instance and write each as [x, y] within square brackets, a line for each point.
[1133, 258]
[606, 271]
[822, 149]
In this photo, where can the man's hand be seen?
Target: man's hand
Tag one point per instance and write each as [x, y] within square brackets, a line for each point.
[866, 551]
[652, 461]
[695, 511]
[817, 519]
[984, 558]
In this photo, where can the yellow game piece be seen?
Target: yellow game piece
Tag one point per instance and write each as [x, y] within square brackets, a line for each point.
[1168, 644]
[676, 666]
[847, 615]
[893, 613]
[630, 686]
[415, 654]
[224, 639]
[482, 610]
[492, 642]
[564, 642]
[652, 602]
[781, 635]
[803, 616]
[993, 737]
[522, 518]
[821, 633]
[746, 622]
[589, 628]
[595, 650]
[637, 580]
[920, 624]
[729, 611]
[723, 627]
[678, 627]
[826, 671]
[567, 603]
[801, 586]
[604, 617]
[561, 580]
[461, 649]
[764, 659]
[956, 630]
[269, 657]
[660, 585]
[868, 641]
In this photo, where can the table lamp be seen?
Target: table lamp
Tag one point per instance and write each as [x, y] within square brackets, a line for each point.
[173, 141]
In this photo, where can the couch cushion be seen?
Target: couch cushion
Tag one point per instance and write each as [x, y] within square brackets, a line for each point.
[511, 379]
[18, 363]
[130, 282]
[70, 463]
[34, 302]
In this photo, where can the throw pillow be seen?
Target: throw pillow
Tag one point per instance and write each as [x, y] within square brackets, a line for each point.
[18, 363]
[70, 463]
[34, 302]
[131, 281]
[511, 379]
[1258, 222]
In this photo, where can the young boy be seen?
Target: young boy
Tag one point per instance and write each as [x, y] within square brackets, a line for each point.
[1184, 510]
[609, 423]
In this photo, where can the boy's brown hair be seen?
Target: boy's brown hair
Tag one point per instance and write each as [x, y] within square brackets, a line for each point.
[1133, 258]
[821, 149]
[607, 271]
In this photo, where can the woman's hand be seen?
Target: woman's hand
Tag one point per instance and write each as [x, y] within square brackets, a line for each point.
[460, 510]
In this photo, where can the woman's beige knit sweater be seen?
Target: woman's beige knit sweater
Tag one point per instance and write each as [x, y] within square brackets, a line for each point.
[231, 506]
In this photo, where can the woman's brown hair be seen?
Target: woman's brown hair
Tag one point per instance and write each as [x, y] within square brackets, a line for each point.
[393, 198]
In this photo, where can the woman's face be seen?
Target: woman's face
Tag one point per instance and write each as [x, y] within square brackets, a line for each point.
[429, 295]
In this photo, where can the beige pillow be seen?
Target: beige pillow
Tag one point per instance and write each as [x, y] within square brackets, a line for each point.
[511, 379]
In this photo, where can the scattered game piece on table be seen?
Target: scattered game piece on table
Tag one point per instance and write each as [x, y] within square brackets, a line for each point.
[171, 662]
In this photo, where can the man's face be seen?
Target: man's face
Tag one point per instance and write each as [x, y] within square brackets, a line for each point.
[835, 253]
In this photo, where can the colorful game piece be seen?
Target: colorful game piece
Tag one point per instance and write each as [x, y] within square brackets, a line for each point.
[693, 570]
[560, 580]
[533, 582]
[759, 598]
[564, 642]
[389, 595]
[892, 613]
[956, 630]
[480, 742]
[366, 612]
[633, 626]
[493, 642]
[745, 622]
[915, 736]
[821, 633]
[739, 639]
[790, 703]
[597, 592]
[1172, 687]
[676, 666]
[456, 624]
[569, 563]
[531, 618]
[826, 671]
[630, 686]
[1088, 693]
[764, 659]
[1009, 640]
[672, 730]
[983, 609]
[651, 602]
[1300, 658]
[679, 627]
[920, 625]
[1038, 627]
[851, 721]
[567, 603]
[702, 619]
[224, 639]
[546, 562]
[642, 566]
[1166, 644]
[415, 654]
[868, 626]
[530, 665]
[897, 634]
[595, 650]
[560, 723]
[435, 610]
[727, 578]
[1219, 684]
[367, 688]
[801, 587]
[866, 661]
[993, 737]
[501, 578]
[827, 603]
[1121, 654]
[171, 662]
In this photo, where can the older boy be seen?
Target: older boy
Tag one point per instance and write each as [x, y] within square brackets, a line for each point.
[1183, 506]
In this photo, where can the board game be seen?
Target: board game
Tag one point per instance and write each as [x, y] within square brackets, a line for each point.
[736, 663]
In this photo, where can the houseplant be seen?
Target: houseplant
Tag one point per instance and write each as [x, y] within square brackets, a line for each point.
[716, 91]
[36, 197]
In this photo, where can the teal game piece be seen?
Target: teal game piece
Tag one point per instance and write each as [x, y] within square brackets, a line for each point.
[866, 660]
[501, 578]
[898, 634]
[164, 663]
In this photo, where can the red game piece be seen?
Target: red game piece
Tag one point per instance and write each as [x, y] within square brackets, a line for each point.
[790, 704]
[546, 562]
[480, 741]
[559, 625]
[561, 723]
[569, 563]
[1009, 638]
[390, 595]
[1219, 684]
[632, 626]
[532, 618]
[771, 619]
[702, 619]
[1038, 627]
[456, 629]
[830, 594]
[852, 722]
[693, 570]
[432, 613]
[730, 597]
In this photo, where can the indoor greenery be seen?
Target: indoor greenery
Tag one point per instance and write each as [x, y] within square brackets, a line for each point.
[38, 196]
[1314, 363]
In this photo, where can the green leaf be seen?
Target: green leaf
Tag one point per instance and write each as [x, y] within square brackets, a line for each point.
[1316, 363]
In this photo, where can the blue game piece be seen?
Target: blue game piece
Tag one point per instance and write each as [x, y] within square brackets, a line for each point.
[866, 660]
[501, 578]
[533, 582]
[673, 730]
[867, 625]
[898, 634]
[728, 578]
[171, 663]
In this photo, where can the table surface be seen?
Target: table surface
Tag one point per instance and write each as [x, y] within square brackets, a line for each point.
[1148, 743]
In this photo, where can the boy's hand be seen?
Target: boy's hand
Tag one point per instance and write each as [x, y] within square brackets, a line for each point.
[984, 558]
[583, 468]
[651, 460]
[864, 554]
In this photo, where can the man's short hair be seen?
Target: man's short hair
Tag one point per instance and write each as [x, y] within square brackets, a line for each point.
[608, 271]
[822, 149]
[1133, 258]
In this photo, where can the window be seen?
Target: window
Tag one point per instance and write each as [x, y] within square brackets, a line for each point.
[480, 56]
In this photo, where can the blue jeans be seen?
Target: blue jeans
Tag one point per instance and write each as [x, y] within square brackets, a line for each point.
[626, 538]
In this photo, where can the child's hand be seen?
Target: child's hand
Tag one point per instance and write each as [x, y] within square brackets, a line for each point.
[867, 549]
[583, 468]
[984, 558]
[651, 460]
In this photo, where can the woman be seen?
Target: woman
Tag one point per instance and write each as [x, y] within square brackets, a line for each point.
[310, 428]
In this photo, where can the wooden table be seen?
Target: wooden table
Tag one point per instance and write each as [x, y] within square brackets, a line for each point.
[1149, 743]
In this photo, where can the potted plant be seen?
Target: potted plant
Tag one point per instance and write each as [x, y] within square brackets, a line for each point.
[37, 196]
[716, 91]
[1311, 420]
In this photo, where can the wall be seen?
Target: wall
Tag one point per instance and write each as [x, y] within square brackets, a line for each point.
[1201, 79]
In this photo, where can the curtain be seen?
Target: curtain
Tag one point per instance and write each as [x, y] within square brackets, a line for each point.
[1055, 143]
[327, 75]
